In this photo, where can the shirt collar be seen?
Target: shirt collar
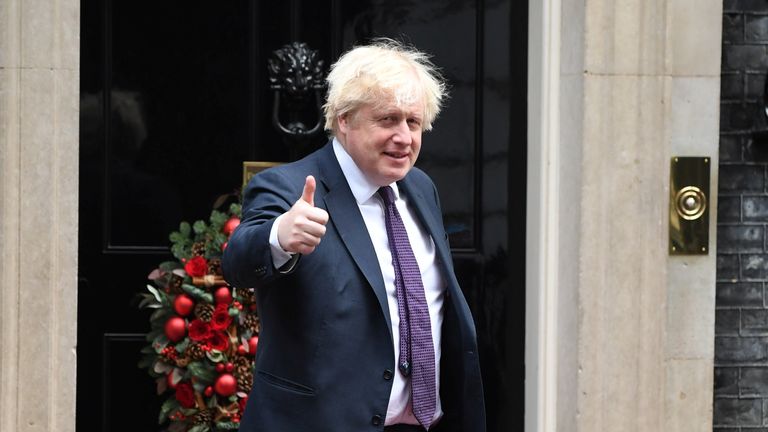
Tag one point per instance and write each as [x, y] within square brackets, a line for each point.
[362, 187]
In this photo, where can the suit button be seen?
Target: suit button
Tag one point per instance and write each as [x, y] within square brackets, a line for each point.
[387, 374]
[377, 420]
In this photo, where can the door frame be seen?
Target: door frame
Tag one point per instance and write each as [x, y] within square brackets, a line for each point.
[542, 211]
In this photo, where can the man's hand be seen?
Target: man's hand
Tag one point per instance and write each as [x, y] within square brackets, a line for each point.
[302, 227]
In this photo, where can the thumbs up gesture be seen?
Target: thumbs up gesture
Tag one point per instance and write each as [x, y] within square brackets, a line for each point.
[302, 227]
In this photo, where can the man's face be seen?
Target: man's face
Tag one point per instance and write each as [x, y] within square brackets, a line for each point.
[384, 141]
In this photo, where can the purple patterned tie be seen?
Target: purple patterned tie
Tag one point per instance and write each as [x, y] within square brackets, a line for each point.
[417, 353]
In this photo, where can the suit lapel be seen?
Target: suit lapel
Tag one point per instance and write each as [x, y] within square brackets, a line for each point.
[433, 226]
[346, 218]
[426, 216]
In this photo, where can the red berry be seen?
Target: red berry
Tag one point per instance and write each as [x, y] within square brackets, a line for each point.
[241, 350]
[208, 391]
[230, 367]
[219, 367]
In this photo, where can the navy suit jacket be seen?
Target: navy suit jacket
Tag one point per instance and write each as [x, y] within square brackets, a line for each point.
[325, 357]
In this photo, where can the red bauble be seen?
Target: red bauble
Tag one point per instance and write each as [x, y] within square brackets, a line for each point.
[222, 295]
[230, 225]
[183, 304]
[252, 344]
[241, 350]
[175, 329]
[226, 385]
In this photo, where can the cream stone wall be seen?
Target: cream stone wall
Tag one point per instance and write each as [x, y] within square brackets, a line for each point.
[620, 335]
[39, 96]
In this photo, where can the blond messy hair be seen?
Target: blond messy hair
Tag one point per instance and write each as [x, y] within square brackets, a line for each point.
[376, 74]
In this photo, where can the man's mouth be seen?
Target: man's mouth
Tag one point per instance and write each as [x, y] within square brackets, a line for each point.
[396, 155]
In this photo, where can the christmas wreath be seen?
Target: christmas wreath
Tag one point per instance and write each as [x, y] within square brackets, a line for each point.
[203, 334]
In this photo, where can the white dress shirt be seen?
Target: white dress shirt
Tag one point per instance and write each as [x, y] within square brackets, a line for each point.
[372, 209]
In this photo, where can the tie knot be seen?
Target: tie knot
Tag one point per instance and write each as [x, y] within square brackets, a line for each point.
[387, 194]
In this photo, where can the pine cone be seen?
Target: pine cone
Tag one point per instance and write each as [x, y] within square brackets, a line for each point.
[214, 267]
[204, 311]
[198, 249]
[252, 323]
[249, 296]
[245, 382]
[194, 352]
[203, 417]
[243, 362]
[174, 285]
[244, 373]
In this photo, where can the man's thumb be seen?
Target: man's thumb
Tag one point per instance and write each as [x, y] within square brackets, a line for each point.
[309, 191]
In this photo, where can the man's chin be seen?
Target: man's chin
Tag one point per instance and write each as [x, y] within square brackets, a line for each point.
[389, 178]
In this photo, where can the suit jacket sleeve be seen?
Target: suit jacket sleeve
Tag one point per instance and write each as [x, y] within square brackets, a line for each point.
[247, 260]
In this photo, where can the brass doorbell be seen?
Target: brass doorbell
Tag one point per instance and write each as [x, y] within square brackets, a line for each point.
[689, 205]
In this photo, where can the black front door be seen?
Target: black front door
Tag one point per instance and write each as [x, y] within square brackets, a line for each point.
[175, 96]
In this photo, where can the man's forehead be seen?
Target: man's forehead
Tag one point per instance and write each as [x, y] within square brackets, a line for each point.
[416, 107]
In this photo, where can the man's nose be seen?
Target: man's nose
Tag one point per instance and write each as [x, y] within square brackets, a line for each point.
[402, 133]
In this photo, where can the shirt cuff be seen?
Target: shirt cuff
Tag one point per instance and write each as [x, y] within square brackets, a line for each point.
[279, 256]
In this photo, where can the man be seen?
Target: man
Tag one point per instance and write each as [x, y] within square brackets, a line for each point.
[364, 326]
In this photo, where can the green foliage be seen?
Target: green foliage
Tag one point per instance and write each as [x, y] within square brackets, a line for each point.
[215, 356]
[199, 227]
[217, 220]
[235, 209]
[170, 266]
[161, 315]
[168, 406]
[202, 372]
[149, 301]
[182, 346]
[161, 298]
[182, 242]
[147, 361]
[197, 293]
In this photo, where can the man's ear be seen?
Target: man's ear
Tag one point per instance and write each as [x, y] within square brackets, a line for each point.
[343, 122]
